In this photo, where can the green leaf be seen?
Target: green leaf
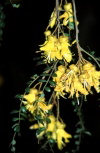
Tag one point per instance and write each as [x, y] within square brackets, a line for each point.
[48, 134]
[13, 142]
[40, 130]
[29, 82]
[40, 63]
[37, 117]
[73, 103]
[52, 83]
[51, 140]
[77, 142]
[47, 68]
[76, 136]
[44, 74]
[27, 90]
[19, 96]
[42, 95]
[66, 34]
[17, 129]
[16, 5]
[14, 111]
[24, 115]
[13, 149]
[61, 62]
[88, 133]
[41, 80]
[36, 58]
[48, 120]
[16, 124]
[23, 109]
[47, 89]
[92, 53]
[17, 119]
[50, 112]
[79, 130]
[54, 75]
[71, 25]
[34, 76]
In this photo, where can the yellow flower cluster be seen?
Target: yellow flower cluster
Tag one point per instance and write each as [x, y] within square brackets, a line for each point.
[56, 48]
[34, 102]
[56, 128]
[76, 80]
[68, 14]
[52, 19]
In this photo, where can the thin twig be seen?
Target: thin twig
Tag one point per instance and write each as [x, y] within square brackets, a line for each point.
[90, 56]
[58, 22]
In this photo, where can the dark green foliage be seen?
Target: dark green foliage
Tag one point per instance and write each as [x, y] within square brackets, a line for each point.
[71, 25]
[2, 23]
[47, 89]
[39, 119]
[19, 96]
[52, 83]
[52, 141]
[40, 130]
[48, 120]
[41, 80]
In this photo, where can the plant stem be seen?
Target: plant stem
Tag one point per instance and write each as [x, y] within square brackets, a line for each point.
[80, 49]
[75, 17]
[58, 22]
[90, 56]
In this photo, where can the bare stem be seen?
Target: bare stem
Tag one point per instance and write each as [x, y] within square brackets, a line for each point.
[58, 22]
[90, 56]
[75, 17]
[77, 31]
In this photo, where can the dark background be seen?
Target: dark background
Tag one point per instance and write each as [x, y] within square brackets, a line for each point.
[22, 35]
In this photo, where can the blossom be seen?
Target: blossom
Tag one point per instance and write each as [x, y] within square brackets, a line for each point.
[77, 80]
[57, 131]
[32, 96]
[67, 16]
[56, 48]
[53, 19]
[35, 102]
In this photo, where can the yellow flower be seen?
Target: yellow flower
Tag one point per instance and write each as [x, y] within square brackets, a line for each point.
[47, 33]
[35, 102]
[61, 68]
[56, 128]
[62, 136]
[66, 17]
[51, 125]
[66, 54]
[37, 126]
[57, 132]
[32, 96]
[56, 48]
[68, 14]
[44, 107]
[78, 87]
[60, 89]
[53, 19]
[31, 108]
[73, 67]
[68, 7]
[49, 44]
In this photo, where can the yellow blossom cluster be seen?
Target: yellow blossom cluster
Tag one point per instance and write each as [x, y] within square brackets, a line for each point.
[53, 19]
[56, 48]
[56, 131]
[67, 16]
[76, 80]
[35, 102]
